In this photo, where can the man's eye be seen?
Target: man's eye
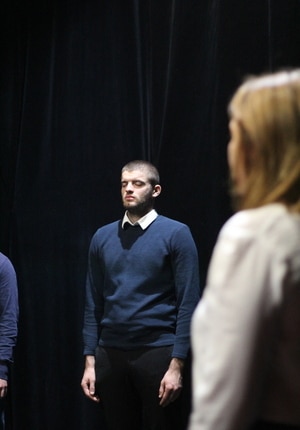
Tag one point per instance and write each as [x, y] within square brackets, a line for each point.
[123, 184]
[138, 183]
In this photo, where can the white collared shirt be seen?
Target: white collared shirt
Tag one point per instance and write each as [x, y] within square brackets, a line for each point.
[143, 222]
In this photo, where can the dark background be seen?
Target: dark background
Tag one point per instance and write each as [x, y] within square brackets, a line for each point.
[87, 86]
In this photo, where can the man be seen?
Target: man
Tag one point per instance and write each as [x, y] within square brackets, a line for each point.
[142, 288]
[8, 325]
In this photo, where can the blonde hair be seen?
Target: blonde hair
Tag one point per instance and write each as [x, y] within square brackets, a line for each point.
[267, 110]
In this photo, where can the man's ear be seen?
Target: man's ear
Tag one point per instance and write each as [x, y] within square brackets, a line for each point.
[156, 190]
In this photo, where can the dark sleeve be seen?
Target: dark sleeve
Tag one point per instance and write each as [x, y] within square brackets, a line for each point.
[186, 273]
[9, 310]
[93, 300]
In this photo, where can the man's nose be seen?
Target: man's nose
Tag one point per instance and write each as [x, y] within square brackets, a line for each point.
[129, 187]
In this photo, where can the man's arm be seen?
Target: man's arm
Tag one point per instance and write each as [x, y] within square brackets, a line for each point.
[171, 384]
[185, 265]
[89, 378]
[92, 317]
[186, 275]
[9, 310]
[93, 300]
[3, 388]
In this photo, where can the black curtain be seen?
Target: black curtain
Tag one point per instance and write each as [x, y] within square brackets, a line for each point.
[86, 86]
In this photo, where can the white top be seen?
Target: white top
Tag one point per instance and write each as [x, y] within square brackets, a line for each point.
[246, 328]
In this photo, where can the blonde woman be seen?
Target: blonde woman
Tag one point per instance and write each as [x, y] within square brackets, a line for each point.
[246, 328]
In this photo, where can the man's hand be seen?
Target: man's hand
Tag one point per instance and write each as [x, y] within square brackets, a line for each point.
[3, 388]
[171, 384]
[89, 378]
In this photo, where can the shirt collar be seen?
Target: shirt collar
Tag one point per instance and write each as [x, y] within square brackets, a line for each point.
[143, 222]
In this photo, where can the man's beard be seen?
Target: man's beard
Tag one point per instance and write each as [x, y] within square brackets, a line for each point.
[141, 208]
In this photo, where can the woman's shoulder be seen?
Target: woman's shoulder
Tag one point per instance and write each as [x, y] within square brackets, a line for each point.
[272, 223]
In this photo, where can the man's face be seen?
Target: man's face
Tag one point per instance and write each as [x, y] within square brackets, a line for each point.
[137, 192]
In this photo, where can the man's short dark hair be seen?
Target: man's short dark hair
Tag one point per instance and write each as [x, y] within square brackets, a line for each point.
[151, 170]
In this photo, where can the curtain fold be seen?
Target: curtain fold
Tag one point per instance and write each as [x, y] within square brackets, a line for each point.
[87, 86]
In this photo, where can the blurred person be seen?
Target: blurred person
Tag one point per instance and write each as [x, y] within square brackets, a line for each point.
[8, 326]
[246, 329]
[142, 288]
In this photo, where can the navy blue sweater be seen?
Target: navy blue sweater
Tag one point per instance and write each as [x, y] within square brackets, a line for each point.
[8, 313]
[142, 287]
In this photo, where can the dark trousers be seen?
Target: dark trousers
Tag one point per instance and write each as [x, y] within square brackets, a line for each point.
[128, 384]
[2, 412]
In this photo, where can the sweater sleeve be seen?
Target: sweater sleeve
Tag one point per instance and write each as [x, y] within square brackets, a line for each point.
[94, 302]
[8, 314]
[186, 273]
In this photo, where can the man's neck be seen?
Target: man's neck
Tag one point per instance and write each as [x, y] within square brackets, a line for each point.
[135, 217]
